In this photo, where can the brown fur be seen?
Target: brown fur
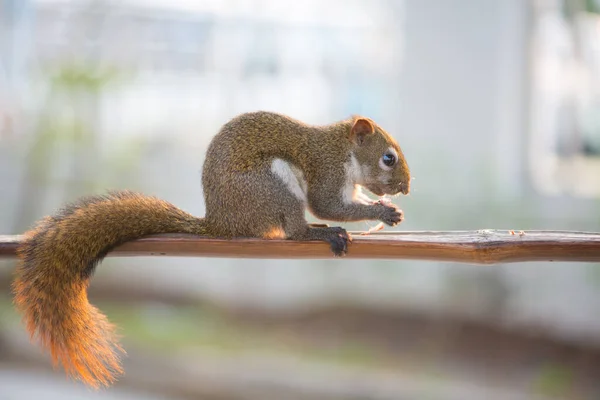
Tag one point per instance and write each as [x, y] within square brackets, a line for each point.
[243, 198]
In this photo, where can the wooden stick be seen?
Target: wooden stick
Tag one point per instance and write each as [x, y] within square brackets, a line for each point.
[476, 247]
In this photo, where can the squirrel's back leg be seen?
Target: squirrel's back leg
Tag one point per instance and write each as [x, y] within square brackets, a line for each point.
[268, 202]
[250, 204]
[296, 228]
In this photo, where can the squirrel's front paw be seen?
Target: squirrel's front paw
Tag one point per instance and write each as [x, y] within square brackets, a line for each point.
[339, 239]
[390, 214]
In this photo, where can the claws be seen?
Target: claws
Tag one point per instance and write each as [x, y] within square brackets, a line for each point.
[339, 241]
[391, 214]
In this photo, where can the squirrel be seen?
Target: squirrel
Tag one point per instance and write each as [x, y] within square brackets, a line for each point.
[262, 171]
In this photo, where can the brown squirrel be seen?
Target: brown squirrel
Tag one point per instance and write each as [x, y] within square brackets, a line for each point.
[262, 171]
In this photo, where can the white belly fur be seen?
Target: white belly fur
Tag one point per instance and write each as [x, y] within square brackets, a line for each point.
[292, 177]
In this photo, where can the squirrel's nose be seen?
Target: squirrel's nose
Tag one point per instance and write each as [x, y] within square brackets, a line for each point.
[404, 187]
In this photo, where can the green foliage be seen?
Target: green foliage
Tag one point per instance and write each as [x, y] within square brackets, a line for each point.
[77, 76]
[592, 6]
[182, 328]
[554, 380]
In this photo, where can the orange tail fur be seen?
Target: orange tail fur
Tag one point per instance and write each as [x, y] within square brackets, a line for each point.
[57, 260]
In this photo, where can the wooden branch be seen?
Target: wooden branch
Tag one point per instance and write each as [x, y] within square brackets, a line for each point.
[478, 247]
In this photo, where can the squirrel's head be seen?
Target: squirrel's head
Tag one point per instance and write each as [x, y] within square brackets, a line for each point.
[383, 169]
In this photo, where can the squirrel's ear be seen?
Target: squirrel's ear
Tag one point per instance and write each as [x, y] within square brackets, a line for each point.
[361, 128]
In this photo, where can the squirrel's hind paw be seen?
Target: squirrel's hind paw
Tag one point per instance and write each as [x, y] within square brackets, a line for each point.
[339, 240]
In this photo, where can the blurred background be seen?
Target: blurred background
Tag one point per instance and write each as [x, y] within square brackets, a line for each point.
[496, 104]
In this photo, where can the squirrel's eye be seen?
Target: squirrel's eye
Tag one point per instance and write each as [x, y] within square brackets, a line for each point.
[389, 159]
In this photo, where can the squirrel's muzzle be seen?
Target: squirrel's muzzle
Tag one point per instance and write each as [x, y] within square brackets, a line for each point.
[404, 187]
[397, 188]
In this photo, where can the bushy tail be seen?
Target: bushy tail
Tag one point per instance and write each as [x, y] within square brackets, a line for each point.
[57, 260]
